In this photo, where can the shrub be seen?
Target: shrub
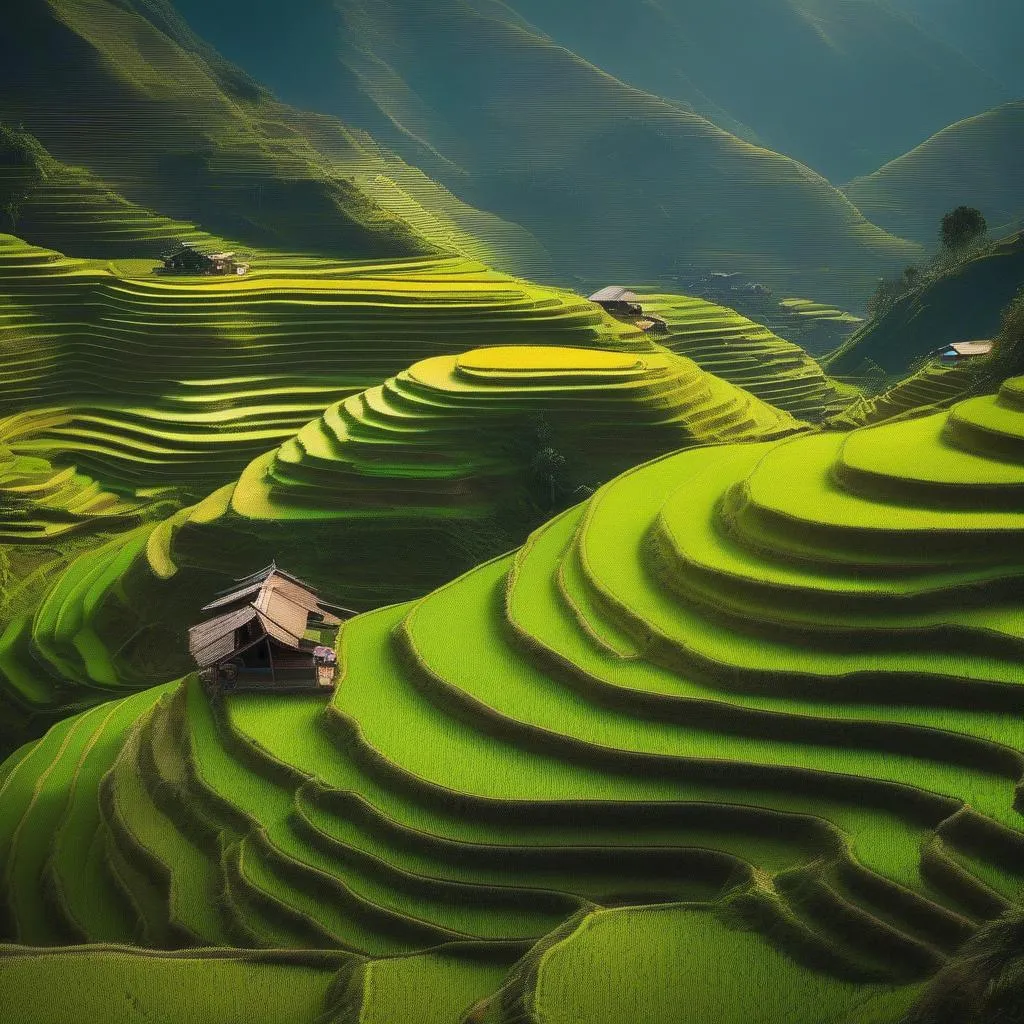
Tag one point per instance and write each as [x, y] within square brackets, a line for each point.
[22, 168]
[891, 289]
[961, 227]
[1008, 358]
[983, 983]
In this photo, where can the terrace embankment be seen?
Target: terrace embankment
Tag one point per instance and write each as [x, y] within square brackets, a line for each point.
[143, 381]
[784, 676]
[415, 480]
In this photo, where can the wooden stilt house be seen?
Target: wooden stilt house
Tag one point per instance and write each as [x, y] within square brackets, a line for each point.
[623, 304]
[267, 632]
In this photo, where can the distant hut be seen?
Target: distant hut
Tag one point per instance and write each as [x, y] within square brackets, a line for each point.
[267, 633]
[962, 351]
[187, 259]
[623, 304]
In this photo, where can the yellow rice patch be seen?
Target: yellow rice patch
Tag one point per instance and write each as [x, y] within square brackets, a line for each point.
[540, 358]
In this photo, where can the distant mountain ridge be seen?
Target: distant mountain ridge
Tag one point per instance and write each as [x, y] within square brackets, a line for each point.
[128, 91]
[989, 32]
[974, 162]
[614, 181]
[842, 87]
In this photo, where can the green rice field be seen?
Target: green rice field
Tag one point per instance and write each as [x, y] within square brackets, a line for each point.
[161, 431]
[756, 697]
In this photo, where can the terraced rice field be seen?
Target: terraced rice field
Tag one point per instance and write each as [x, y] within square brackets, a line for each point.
[438, 439]
[747, 354]
[39, 501]
[144, 381]
[784, 676]
[115, 984]
[74, 211]
[808, 309]
[427, 461]
[933, 386]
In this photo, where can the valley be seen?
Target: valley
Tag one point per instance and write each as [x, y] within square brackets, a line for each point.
[391, 634]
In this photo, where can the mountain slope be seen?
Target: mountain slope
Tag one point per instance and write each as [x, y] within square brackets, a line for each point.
[857, 83]
[780, 675]
[616, 183]
[987, 31]
[415, 480]
[963, 304]
[128, 92]
[974, 162]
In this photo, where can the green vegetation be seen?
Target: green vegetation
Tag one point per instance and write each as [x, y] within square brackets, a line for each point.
[810, 310]
[119, 985]
[734, 734]
[148, 381]
[439, 461]
[990, 41]
[747, 354]
[1008, 357]
[972, 161]
[434, 441]
[961, 228]
[782, 675]
[934, 386]
[187, 134]
[515, 122]
[982, 983]
[127, 396]
[881, 83]
[683, 965]
[22, 163]
[957, 299]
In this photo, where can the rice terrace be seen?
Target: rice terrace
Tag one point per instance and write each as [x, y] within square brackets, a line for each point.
[511, 512]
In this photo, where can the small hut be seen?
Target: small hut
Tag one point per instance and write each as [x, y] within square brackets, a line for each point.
[623, 304]
[187, 259]
[962, 351]
[267, 632]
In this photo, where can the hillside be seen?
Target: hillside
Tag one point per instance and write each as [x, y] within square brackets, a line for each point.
[516, 124]
[442, 436]
[189, 135]
[961, 304]
[932, 387]
[777, 679]
[747, 354]
[184, 427]
[146, 380]
[557, 981]
[413, 481]
[127, 396]
[862, 83]
[986, 31]
[971, 163]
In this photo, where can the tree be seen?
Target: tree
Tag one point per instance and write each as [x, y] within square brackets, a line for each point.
[961, 227]
[13, 204]
[1008, 355]
[890, 290]
[983, 983]
[887, 292]
[911, 277]
[22, 168]
[548, 469]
